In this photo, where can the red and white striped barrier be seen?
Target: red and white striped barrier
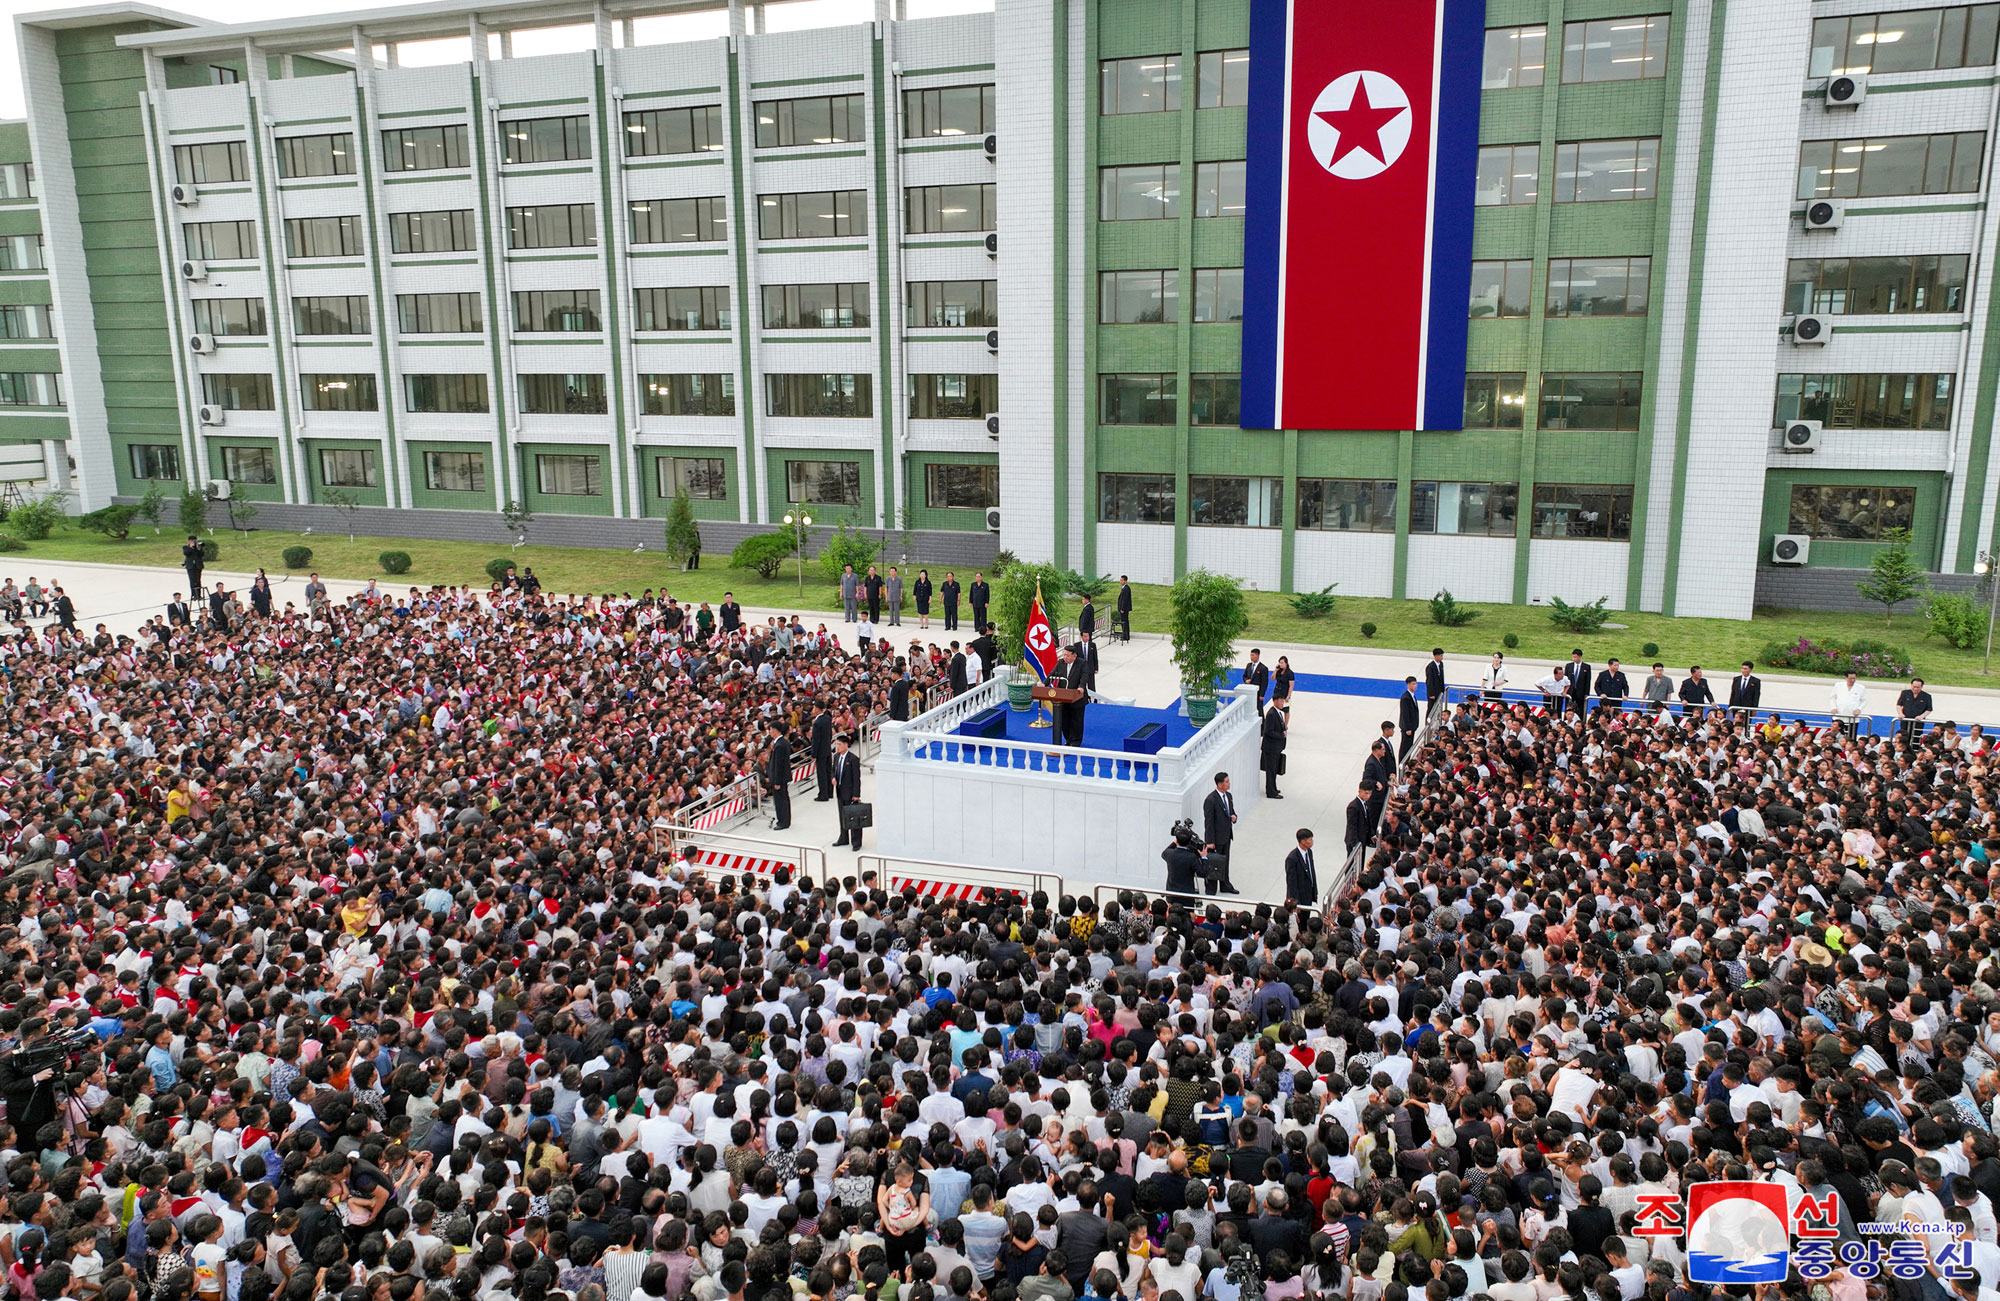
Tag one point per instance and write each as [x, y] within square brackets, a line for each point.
[710, 818]
[715, 860]
[935, 889]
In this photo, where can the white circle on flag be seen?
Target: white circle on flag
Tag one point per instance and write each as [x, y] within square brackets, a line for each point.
[1039, 638]
[1359, 125]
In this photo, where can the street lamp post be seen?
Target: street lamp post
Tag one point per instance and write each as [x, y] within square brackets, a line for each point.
[1984, 568]
[798, 525]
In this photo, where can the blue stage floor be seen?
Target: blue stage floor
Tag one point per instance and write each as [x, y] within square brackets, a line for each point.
[1105, 727]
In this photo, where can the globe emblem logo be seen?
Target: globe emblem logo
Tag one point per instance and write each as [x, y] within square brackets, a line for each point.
[1359, 125]
[1737, 1232]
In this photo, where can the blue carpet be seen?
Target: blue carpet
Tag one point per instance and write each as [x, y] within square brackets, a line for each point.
[1105, 727]
[1336, 684]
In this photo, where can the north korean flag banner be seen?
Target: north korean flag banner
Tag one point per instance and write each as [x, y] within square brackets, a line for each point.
[1364, 150]
[1038, 640]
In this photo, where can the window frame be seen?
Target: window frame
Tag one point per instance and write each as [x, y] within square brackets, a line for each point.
[167, 453]
[338, 392]
[425, 305]
[441, 383]
[1515, 40]
[370, 476]
[1498, 522]
[790, 395]
[589, 398]
[569, 136]
[938, 490]
[850, 210]
[1632, 381]
[293, 151]
[927, 120]
[849, 297]
[1512, 270]
[235, 459]
[546, 305]
[1381, 520]
[1271, 493]
[1155, 94]
[1616, 527]
[313, 313]
[1811, 525]
[1645, 161]
[347, 226]
[669, 479]
[1567, 310]
[655, 309]
[527, 221]
[927, 210]
[658, 217]
[1112, 288]
[1149, 491]
[405, 227]
[591, 465]
[669, 393]
[1652, 61]
[843, 113]
[643, 124]
[409, 149]
[977, 395]
[1212, 72]
[850, 483]
[474, 469]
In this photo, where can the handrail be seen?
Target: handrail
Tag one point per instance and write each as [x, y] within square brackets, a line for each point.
[1067, 762]
[725, 854]
[726, 805]
[1628, 705]
[1350, 868]
[951, 880]
[1103, 893]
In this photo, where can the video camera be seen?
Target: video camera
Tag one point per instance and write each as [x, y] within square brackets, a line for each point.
[53, 1050]
[1184, 834]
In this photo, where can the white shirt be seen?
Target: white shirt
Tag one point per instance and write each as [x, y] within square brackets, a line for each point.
[1850, 700]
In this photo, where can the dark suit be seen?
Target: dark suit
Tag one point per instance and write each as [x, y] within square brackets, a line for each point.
[1258, 675]
[1407, 720]
[1086, 625]
[1612, 686]
[1075, 676]
[179, 614]
[1433, 684]
[950, 594]
[981, 595]
[778, 776]
[1579, 685]
[1272, 750]
[1745, 693]
[873, 586]
[1695, 692]
[1089, 661]
[193, 560]
[1123, 616]
[1376, 774]
[956, 673]
[218, 611]
[822, 753]
[847, 790]
[1301, 878]
[899, 700]
[989, 654]
[1218, 829]
[1183, 866]
[1357, 823]
[66, 614]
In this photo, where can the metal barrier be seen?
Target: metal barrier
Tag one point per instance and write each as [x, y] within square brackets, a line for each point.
[1229, 903]
[1557, 706]
[727, 805]
[722, 854]
[941, 880]
[1350, 868]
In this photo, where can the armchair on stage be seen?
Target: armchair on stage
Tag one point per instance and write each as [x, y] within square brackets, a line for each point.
[950, 787]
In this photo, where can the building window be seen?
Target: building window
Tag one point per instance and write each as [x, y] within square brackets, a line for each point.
[1495, 400]
[817, 307]
[656, 132]
[229, 316]
[817, 215]
[1575, 510]
[249, 465]
[1515, 56]
[545, 139]
[1884, 165]
[559, 311]
[947, 111]
[27, 321]
[944, 209]
[330, 314]
[1218, 294]
[1615, 49]
[1465, 508]
[23, 253]
[238, 392]
[1138, 297]
[455, 471]
[936, 303]
[701, 477]
[338, 392]
[1605, 171]
[1609, 286]
[307, 237]
[1215, 399]
[209, 164]
[439, 313]
[1219, 189]
[679, 221]
[1508, 174]
[155, 461]
[953, 397]
[1137, 399]
[1593, 400]
[1135, 498]
[222, 75]
[220, 241]
[1148, 84]
[552, 225]
[1223, 79]
[30, 389]
[819, 120]
[1151, 193]
[446, 394]
[823, 483]
[426, 148]
[562, 395]
[450, 231]
[1500, 289]
[961, 487]
[1908, 40]
[346, 467]
[842, 396]
[688, 395]
[327, 155]
[568, 475]
[1226, 501]
[682, 308]
[1348, 505]
[1866, 401]
[1876, 286]
[1847, 513]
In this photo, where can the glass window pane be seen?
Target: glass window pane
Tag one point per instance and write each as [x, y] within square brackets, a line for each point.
[1906, 41]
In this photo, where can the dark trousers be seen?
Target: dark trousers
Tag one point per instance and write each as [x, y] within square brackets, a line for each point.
[978, 618]
[1121, 623]
[781, 804]
[1403, 746]
[849, 835]
[1271, 778]
[194, 580]
[823, 770]
[1218, 873]
[950, 615]
[874, 609]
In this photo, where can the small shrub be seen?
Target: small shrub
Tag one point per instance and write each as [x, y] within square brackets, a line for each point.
[1578, 618]
[1510, 641]
[1650, 648]
[297, 557]
[1367, 630]
[1447, 612]
[34, 520]
[1082, 585]
[1313, 605]
[1960, 620]
[1868, 659]
[114, 522]
[764, 553]
[497, 569]
[210, 551]
[8, 542]
[846, 545]
[395, 562]
[1002, 562]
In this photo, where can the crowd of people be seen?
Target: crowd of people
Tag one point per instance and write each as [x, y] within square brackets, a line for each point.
[370, 976]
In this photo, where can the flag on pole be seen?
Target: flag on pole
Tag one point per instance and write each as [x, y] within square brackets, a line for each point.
[1038, 641]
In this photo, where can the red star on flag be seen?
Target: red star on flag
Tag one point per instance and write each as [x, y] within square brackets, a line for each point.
[1360, 125]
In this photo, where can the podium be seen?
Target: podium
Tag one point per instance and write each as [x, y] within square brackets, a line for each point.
[1053, 697]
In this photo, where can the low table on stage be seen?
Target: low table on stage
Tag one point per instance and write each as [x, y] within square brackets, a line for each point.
[1053, 696]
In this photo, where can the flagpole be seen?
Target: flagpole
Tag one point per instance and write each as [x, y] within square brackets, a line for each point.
[1042, 718]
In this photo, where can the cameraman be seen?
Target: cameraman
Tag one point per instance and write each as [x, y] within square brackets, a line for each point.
[1184, 859]
[24, 1080]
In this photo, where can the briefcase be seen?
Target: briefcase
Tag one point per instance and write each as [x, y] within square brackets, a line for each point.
[857, 815]
[1281, 763]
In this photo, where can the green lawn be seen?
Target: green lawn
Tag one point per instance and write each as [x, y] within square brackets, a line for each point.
[1719, 645]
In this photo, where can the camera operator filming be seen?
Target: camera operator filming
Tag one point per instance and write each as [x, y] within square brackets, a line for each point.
[28, 1075]
[1184, 859]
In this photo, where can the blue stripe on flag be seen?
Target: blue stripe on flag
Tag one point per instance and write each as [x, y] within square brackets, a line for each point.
[1263, 254]
[1456, 173]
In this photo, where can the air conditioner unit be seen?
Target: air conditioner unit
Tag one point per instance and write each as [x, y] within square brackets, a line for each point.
[194, 269]
[185, 195]
[993, 425]
[201, 344]
[1846, 91]
[1824, 214]
[993, 341]
[992, 519]
[210, 414]
[1800, 436]
[1790, 549]
[218, 490]
[1811, 331]
[992, 246]
[992, 148]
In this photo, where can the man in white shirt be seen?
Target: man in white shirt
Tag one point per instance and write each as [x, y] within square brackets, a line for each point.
[1850, 701]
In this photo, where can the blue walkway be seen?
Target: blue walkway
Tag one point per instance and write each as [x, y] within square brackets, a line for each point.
[1105, 727]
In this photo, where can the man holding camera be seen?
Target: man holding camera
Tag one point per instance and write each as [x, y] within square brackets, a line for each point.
[1184, 859]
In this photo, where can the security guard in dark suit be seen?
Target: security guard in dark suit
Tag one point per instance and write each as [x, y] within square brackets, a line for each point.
[778, 780]
[1434, 679]
[822, 752]
[1184, 861]
[899, 693]
[1407, 720]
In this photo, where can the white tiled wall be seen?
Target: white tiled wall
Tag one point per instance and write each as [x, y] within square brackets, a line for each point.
[1578, 572]
[1145, 551]
[1363, 564]
[1472, 569]
[1250, 554]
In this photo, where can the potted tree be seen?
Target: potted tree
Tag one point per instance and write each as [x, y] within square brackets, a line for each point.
[1208, 615]
[1013, 597]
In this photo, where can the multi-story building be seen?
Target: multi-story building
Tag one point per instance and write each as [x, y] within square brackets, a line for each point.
[771, 269]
